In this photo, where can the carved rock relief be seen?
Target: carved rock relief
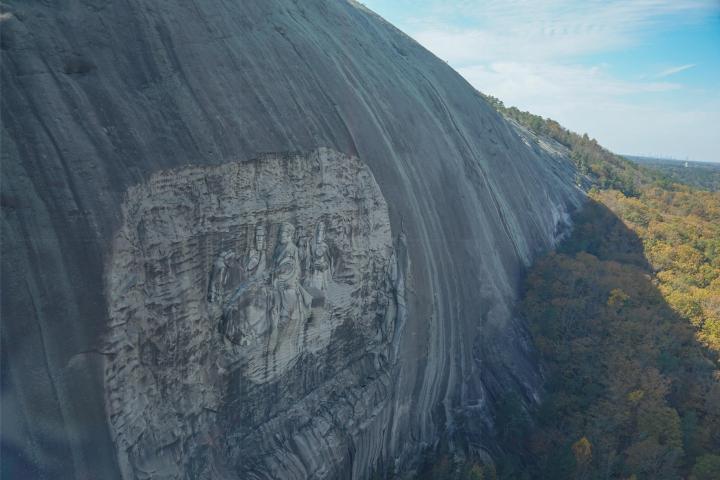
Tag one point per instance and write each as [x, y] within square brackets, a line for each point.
[239, 270]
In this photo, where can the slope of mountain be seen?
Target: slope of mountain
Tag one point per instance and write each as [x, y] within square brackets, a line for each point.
[268, 239]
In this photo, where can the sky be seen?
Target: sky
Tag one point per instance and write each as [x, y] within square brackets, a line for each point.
[640, 76]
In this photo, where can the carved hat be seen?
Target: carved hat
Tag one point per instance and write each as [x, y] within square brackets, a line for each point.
[286, 226]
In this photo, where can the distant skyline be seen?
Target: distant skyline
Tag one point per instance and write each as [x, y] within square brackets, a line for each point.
[641, 76]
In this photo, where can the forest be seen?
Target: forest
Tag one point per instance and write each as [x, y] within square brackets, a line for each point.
[625, 317]
[702, 175]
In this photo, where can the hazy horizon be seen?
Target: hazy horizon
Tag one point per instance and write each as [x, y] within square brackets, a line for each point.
[639, 77]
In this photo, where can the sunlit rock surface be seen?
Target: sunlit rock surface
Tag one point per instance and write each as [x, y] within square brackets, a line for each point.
[268, 239]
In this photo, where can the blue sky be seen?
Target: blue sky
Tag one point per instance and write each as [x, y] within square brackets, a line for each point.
[641, 76]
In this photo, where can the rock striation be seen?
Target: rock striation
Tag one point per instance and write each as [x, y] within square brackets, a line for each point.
[268, 239]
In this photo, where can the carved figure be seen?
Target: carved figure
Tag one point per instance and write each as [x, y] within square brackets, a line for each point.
[245, 313]
[219, 276]
[320, 260]
[254, 262]
[303, 244]
[290, 301]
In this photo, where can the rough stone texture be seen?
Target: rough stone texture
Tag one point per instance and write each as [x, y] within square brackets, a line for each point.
[103, 100]
[189, 377]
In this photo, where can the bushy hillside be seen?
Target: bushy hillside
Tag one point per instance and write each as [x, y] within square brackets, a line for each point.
[626, 318]
[605, 169]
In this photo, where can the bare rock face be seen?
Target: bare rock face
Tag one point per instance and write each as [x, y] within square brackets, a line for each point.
[185, 297]
[230, 283]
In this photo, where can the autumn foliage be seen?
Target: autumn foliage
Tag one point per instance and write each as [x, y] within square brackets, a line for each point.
[625, 318]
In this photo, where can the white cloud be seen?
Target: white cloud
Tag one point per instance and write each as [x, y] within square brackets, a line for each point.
[589, 99]
[528, 53]
[674, 70]
[652, 130]
[521, 83]
[542, 29]
[469, 46]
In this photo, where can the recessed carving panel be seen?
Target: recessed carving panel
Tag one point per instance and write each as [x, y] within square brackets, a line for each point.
[222, 280]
